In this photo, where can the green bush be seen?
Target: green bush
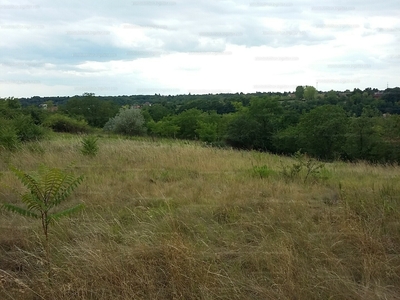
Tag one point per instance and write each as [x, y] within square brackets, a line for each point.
[27, 130]
[61, 123]
[89, 146]
[128, 121]
[8, 135]
[262, 171]
[312, 168]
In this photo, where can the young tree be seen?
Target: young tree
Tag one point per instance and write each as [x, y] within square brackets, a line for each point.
[45, 192]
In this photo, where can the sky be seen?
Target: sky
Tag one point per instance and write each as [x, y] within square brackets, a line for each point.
[170, 47]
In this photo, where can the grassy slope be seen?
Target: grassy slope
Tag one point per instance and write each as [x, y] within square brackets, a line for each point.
[173, 220]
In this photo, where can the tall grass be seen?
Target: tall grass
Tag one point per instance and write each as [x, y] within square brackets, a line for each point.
[175, 220]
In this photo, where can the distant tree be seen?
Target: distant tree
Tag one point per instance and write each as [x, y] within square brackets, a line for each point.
[207, 132]
[299, 92]
[322, 131]
[310, 92]
[13, 103]
[95, 111]
[390, 132]
[331, 97]
[165, 127]
[242, 131]
[128, 121]
[188, 123]
[157, 111]
[286, 141]
[268, 113]
[361, 138]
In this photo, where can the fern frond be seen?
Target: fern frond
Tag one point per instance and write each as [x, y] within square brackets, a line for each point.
[52, 180]
[19, 210]
[32, 202]
[64, 213]
[29, 181]
[70, 183]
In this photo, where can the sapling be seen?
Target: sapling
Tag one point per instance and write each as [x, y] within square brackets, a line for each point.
[89, 146]
[47, 190]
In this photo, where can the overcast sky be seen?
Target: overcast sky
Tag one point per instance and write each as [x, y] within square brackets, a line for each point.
[66, 48]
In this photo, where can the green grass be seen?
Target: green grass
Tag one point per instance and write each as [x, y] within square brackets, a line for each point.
[170, 219]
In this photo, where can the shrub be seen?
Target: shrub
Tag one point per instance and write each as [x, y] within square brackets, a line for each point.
[8, 135]
[20, 129]
[128, 121]
[89, 146]
[61, 123]
[27, 130]
[262, 171]
[311, 166]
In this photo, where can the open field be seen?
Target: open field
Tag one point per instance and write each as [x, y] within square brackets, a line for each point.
[176, 220]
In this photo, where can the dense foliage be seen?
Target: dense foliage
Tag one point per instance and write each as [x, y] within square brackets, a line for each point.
[17, 125]
[357, 125]
[128, 121]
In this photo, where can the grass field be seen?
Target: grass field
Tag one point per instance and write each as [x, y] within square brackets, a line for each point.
[177, 220]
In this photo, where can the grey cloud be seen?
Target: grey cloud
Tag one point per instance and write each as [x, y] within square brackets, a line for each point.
[57, 35]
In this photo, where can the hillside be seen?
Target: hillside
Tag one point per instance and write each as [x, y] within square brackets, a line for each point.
[169, 219]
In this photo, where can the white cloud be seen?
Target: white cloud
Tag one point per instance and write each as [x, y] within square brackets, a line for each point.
[59, 48]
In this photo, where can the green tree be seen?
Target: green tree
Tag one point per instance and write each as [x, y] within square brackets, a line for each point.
[207, 132]
[95, 111]
[286, 141]
[188, 123]
[322, 131]
[158, 111]
[243, 131]
[299, 92]
[13, 103]
[332, 97]
[165, 127]
[128, 121]
[362, 138]
[390, 132]
[267, 112]
[310, 92]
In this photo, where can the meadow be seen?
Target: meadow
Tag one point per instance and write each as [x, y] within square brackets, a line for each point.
[168, 219]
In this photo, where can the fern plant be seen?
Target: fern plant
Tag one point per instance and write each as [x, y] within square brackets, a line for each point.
[89, 146]
[45, 192]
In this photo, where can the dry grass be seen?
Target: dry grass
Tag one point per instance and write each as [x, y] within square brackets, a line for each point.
[174, 220]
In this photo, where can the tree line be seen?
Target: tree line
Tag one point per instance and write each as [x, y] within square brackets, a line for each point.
[352, 126]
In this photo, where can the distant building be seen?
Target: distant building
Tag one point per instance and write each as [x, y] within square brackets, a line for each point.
[52, 108]
[378, 94]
